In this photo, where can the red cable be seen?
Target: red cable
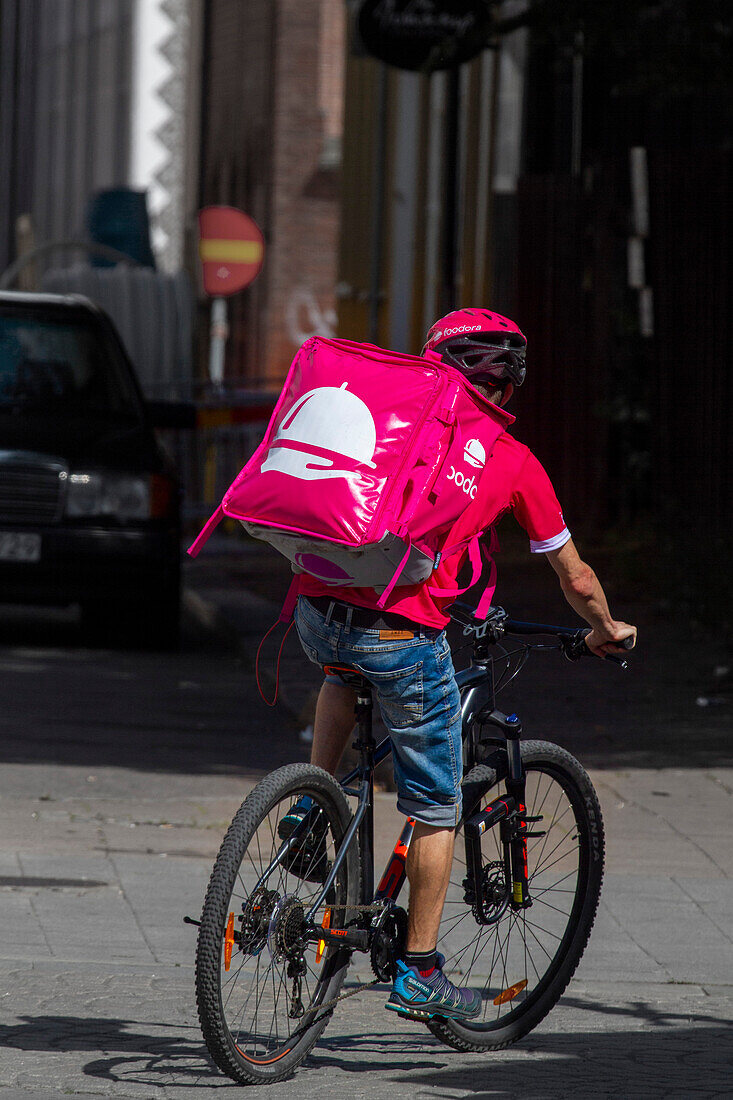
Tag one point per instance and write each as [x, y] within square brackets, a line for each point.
[277, 667]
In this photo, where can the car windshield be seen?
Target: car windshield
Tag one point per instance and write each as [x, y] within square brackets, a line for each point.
[62, 367]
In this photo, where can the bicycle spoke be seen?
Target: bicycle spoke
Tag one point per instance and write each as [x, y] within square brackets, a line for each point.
[539, 864]
[559, 859]
[559, 799]
[549, 905]
[527, 952]
[531, 928]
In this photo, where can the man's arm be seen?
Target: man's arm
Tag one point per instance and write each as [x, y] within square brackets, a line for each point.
[584, 593]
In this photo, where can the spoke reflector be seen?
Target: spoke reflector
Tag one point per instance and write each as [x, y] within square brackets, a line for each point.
[510, 993]
[325, 923]
[229, 942]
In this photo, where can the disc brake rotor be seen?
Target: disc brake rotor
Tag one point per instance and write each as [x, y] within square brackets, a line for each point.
[495, 890]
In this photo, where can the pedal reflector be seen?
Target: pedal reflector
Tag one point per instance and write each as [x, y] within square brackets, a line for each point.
[510, 993]
[229, 942]
[325, 923]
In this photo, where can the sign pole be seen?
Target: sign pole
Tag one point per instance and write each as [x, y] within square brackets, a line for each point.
[231, 249]
[219, 331]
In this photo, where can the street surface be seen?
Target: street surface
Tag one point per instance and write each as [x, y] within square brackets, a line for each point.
[121, 770]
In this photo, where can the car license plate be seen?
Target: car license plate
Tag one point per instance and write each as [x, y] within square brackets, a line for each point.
[18, 546]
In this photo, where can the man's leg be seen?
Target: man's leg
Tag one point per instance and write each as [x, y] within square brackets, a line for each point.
[430, 855]
[420, 988]
[429, 861]
[333, 724]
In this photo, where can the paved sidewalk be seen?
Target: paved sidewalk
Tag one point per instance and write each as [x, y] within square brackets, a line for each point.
[97, 973]
[100, 861]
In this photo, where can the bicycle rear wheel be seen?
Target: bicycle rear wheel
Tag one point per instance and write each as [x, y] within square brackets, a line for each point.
[259, 1019]
[523, 961]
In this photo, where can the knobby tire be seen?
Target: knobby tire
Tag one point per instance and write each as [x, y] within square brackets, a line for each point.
[551, 767]
[242, 1054]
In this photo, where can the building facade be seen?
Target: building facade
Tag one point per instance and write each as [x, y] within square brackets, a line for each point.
[96, 94]
[271, 129]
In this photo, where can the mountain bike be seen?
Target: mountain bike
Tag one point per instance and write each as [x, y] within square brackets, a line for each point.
[286, 908]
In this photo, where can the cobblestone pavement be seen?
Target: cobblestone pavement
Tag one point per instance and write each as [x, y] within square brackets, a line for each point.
[120, 773]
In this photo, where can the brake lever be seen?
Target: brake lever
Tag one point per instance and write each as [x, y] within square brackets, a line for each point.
[576, 648]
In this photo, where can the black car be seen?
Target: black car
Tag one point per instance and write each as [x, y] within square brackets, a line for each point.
[89, 501]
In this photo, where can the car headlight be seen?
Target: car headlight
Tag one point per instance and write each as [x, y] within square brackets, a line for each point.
[98, 494]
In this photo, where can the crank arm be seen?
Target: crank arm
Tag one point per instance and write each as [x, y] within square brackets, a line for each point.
[355, 938]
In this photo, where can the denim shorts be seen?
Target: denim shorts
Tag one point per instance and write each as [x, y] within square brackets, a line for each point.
[415, 685]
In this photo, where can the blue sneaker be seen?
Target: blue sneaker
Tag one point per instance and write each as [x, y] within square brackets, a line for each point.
[306, 857]
[421, 998]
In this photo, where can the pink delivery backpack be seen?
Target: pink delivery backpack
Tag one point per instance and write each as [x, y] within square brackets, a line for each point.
[367, 462]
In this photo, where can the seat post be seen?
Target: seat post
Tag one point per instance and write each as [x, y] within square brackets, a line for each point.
[365, 745]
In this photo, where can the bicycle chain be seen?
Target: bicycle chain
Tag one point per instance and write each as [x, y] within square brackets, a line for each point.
[321, 1010]
[375, 907]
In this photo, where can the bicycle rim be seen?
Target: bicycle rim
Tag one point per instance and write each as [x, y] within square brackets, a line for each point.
[523, 961]
[250, 941]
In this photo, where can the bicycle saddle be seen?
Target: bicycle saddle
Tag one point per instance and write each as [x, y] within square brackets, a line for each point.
[348, 675]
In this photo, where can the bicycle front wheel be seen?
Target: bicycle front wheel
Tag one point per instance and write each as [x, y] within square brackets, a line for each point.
[262, 991]
[523, 960]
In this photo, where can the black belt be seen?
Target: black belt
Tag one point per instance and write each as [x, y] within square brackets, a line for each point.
[365, 618]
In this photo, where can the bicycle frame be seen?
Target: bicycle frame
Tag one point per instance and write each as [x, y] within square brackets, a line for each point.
[476, 686]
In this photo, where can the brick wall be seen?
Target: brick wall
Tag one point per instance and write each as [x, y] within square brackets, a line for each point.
[271, 124]
[306, 159]
[236, 160]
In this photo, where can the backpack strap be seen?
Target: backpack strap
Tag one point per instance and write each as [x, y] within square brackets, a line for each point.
[487, 595]
[477, 565]
[285, 616]
[206, 531]
[395, 576]
[476, 559]
[291, 598]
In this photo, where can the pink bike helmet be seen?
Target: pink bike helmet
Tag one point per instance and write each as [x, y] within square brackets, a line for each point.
[482, 345]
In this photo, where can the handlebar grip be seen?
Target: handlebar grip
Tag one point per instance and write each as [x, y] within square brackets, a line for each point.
[576, 648]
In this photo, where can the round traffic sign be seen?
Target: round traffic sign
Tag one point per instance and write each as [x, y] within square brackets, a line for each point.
[231, 249]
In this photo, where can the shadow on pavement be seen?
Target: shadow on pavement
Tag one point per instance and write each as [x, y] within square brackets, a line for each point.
[665, 1059]
[147, 1059]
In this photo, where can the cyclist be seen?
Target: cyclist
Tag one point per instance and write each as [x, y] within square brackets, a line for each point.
[404, 653]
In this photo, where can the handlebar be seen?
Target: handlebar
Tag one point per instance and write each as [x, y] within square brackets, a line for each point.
[498, 623]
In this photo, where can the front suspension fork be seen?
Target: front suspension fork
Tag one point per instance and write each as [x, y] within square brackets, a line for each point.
[517, 827]
[510, 813]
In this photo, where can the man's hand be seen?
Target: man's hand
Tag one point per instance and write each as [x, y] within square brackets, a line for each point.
[584, 593]
[606, 641]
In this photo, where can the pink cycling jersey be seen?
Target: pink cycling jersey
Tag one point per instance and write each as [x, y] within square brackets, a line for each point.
[514, 481]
